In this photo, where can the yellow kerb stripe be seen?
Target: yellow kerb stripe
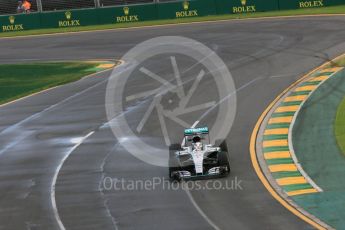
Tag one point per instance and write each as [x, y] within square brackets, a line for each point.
[105, 66]
[295, 98]
[301, 192]
[320, 78]
[276, 131]
[334, 69]
[291, 180]
[274, 143]
[275, 120]
[275, 155]
[282, 168]
[306, 88]
[282, 109]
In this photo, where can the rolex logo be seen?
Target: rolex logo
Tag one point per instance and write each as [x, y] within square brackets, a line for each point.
[127, 17]
[12, 19]
[126, 10]
[68, 22]
[244, 8]
[13, 26]
[186, 12]
[68, 15]
[185, 5]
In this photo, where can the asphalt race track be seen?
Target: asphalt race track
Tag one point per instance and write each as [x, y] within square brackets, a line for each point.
[39, 132]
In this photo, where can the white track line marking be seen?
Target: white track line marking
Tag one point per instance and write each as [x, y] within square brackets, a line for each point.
[52, 194]
[36, 115]
[210, 222]
[228, 96]
[191, 198]
[196, 206]
[57, 171]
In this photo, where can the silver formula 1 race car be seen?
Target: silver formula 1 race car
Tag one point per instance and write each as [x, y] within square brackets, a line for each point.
[197, 158]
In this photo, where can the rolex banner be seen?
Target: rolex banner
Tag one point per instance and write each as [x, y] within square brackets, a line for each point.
[127, 14]
[246, 6]
[15, 23]
[186, 9]
[149, 12]
[304, 4]
[69, 18]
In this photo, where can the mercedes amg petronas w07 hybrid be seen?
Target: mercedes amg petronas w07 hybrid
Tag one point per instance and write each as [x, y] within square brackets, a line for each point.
[197, 158]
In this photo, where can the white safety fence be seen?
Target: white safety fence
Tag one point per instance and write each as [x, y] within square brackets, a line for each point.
[10, 6]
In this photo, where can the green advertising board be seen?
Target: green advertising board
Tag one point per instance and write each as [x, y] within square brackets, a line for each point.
[245, 6]
[300, 4]
[334, 2]
[184, 9]
[152, 11]
[11, 23]
[125, 14]
[69, 18]
[303, 4]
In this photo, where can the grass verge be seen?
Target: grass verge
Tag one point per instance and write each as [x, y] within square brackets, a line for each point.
[339, 63]
[308, 11]
[340, 126]
[19, 80]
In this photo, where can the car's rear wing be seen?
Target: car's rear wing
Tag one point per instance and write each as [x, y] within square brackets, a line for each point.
[196, 131]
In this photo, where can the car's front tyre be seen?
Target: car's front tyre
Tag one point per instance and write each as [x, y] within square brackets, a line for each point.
[223, 161]
[173, 161]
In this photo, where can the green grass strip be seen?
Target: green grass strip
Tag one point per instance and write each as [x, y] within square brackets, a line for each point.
[277, 175]
[338, 63]
[275, 149]
[278, 126]
[95, 69]
[300, 93]
[295, 187]
[290, 103]
[283, 114]
[279, 161]
[19, 80]
[310, 83]
[305, 11]
[276, 137]
[339, 126]
[318, 74]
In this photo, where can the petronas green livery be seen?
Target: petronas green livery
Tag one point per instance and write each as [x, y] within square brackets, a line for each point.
[202, 130]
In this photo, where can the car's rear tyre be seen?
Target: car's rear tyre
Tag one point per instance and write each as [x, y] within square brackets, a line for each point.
[173, 162]
[223, 161]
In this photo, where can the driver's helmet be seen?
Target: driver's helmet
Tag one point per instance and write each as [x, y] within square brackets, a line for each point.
[197, 143]
[196, 139]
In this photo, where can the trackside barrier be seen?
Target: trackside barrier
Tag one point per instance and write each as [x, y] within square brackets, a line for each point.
[186, 9]
[60, 19]
[153, 11]
[20, 22]
[127, 14]
[246, 6]
[302, 4]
